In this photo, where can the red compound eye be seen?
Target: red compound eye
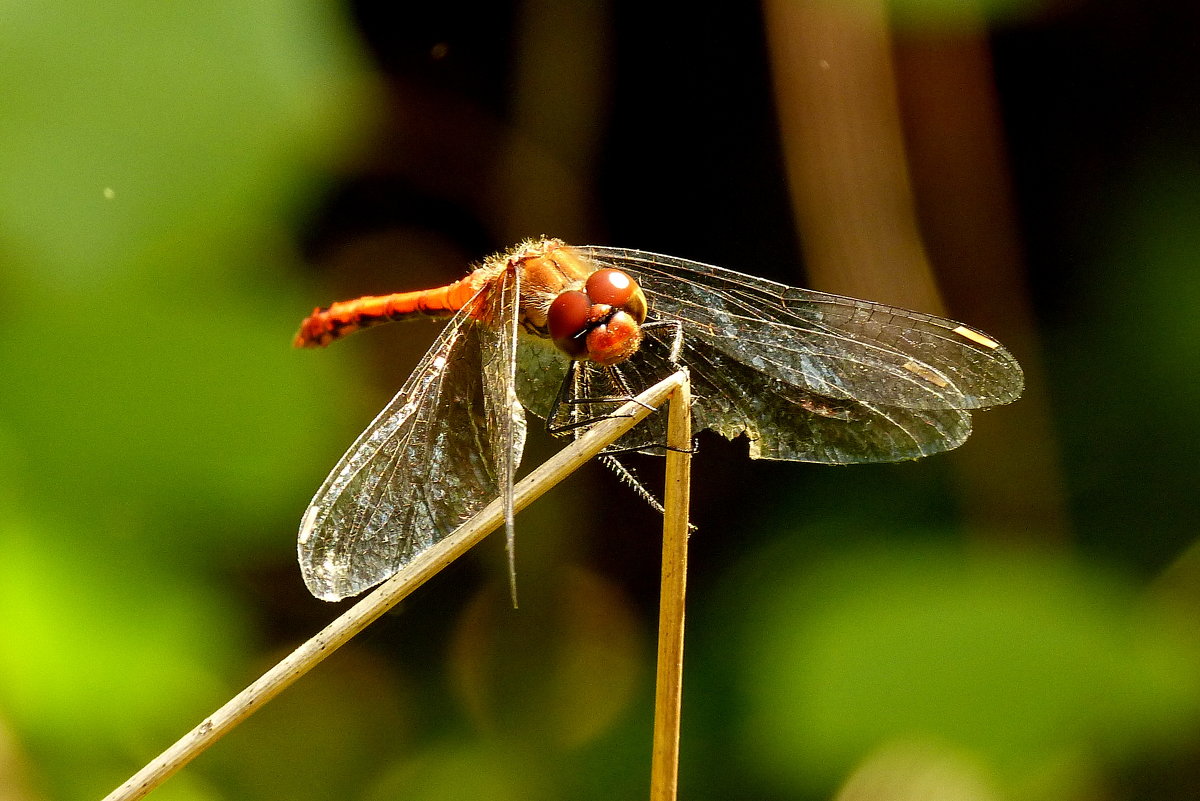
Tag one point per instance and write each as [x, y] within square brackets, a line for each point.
[602, 323]
[568, 316]
[610, 287]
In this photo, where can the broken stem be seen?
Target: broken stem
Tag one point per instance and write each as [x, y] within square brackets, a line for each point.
[664, 769]
[388, 594]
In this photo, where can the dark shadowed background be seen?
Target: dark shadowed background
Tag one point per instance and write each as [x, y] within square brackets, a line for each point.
[180, 186]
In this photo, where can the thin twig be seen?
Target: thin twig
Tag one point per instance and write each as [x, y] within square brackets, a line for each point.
[425, 565]
[664, 769]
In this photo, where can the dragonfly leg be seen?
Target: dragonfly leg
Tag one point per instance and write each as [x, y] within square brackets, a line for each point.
[627, 477]
[574, 395]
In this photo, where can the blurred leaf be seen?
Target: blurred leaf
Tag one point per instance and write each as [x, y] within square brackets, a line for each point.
[331, 735]
[1023, 659]
[149, 151]
[563, 670]
[168, 405]
[154, 158]
[94, 661]
[918, 772]
[455, 770]
[134, 130]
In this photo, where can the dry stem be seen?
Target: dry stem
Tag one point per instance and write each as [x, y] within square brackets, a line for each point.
[354, 620]
[664, 770]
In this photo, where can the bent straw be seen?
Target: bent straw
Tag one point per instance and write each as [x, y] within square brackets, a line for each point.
[388, 594]
[668, 697]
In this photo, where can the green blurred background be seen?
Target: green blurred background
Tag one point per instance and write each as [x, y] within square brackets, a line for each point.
[179, 186]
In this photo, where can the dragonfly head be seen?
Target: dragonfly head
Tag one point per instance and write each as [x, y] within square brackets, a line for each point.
[603, 321]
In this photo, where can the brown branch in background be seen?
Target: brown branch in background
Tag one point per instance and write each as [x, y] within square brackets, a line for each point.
[842, 143]
[1011, 479]
[849, 104]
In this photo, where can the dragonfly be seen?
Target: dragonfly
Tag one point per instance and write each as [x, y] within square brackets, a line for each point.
[572, 333]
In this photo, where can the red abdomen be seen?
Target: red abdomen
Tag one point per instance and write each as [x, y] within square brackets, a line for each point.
[345, 317]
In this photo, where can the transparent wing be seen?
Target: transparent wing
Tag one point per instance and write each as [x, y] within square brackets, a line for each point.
[734, 399]
[427, 463]
[783, 422]
[837, 348]
[541, 368]
[505, 415]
